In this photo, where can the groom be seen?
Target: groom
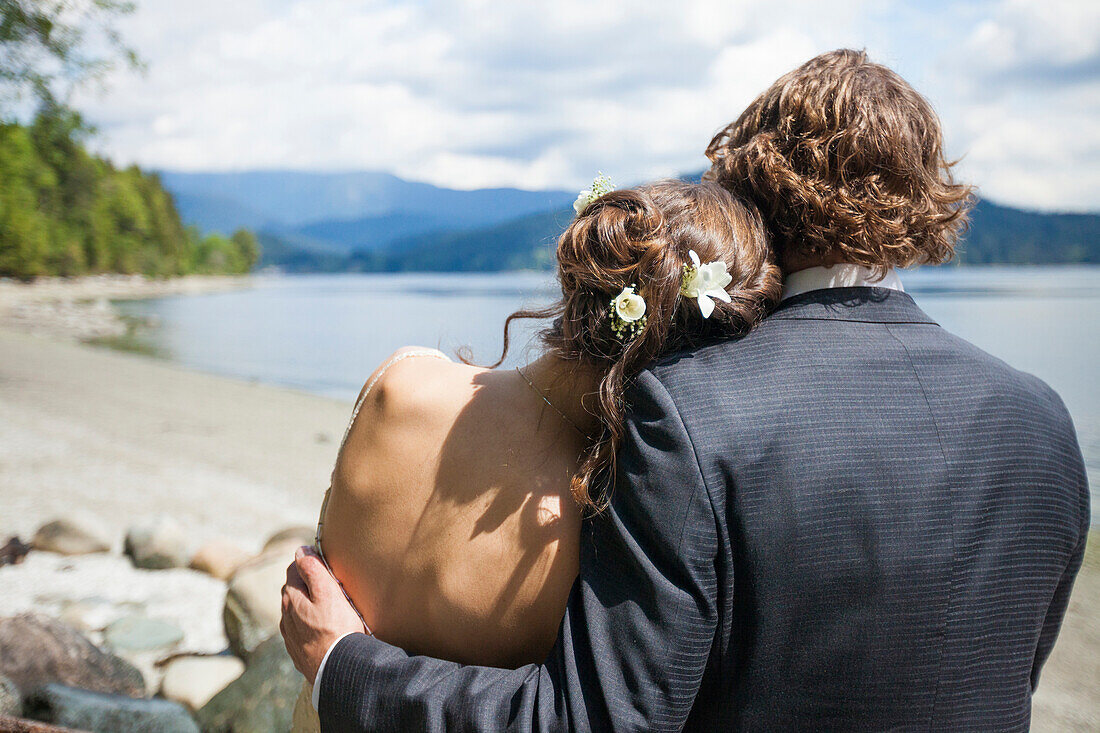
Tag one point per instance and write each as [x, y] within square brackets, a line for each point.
[847, 520]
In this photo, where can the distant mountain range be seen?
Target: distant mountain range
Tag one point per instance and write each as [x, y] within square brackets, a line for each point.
[327, 212]
[376, 222]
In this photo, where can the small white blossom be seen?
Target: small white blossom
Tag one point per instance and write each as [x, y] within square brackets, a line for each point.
[629, 306]
[627, 313]
[584, 198]
[705, 282]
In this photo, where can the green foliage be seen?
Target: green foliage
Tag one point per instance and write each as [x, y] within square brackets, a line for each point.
[247, 246]
[66, 212]
[214, 253]
[49, 47]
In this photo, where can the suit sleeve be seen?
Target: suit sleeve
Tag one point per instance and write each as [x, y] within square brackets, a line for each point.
[1071, 465]
[637, 632]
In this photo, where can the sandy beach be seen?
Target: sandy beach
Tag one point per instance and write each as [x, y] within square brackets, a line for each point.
[121, 436]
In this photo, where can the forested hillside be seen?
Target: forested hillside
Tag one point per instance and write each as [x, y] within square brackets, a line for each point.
[1007, 236]
[64, 211]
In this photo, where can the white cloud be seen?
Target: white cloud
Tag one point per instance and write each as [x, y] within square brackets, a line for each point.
[472, 93]
[1022, 94]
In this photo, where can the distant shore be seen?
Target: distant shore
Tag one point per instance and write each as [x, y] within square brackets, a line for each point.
[123, 437]
[79, 308]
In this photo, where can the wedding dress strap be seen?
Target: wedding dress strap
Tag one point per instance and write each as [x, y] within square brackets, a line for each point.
[378, 375]
[347, 431]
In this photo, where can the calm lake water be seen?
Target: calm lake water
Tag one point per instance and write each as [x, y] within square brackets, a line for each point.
[326, 333]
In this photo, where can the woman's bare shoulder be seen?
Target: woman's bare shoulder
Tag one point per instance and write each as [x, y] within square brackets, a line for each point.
[405, 409]
[414, 384]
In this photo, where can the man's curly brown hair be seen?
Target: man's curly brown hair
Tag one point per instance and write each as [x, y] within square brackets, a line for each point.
[845, 161]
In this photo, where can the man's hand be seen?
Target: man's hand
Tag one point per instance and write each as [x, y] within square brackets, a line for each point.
[315, 612]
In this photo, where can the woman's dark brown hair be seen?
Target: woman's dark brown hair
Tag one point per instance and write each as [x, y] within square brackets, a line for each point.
[642, 237]
[845, 160]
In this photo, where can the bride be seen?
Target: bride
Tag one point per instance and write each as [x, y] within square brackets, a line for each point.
[453, 519]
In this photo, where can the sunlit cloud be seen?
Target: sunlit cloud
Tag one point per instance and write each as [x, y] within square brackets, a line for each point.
[493, 93]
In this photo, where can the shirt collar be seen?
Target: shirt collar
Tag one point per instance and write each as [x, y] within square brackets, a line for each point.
[838, 276]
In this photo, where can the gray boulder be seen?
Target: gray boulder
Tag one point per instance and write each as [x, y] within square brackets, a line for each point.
[158, 545]
[102, 713]
[36, 650]
[75, 535]
[260, 700]
[253, 603]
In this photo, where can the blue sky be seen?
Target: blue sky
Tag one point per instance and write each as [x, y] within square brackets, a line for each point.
[476, 93]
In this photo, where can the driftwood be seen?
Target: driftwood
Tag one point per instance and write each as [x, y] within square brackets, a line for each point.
[22, 725]
[13, 552]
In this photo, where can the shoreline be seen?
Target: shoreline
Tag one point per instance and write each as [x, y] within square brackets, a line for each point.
[124, 437]
[79, 308]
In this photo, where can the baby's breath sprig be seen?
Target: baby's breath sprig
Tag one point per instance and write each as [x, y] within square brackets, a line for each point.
[600, 186]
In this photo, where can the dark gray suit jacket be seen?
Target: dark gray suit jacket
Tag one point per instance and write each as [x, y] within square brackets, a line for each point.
[847, 520]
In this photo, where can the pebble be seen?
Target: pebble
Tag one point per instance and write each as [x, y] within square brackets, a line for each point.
[139, 633]
[95, 613]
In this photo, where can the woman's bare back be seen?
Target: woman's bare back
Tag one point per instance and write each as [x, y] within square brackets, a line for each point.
[450, 522]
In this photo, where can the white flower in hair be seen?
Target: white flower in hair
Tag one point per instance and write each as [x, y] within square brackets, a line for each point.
[601, 185]
[627, 311]
[629, 306]
[704, 282]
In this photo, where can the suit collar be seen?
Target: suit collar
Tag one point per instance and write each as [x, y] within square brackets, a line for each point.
[866, 304]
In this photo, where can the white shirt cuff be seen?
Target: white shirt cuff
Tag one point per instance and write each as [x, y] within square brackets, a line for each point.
[316, 696]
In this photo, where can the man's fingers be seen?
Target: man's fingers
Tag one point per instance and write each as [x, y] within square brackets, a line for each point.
[312, 570]
[294, 590]
[294, 578]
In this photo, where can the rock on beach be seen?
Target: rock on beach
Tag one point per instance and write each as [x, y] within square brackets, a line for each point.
[219, 559]
[290, 538]
[76, 535]
[103, 713]
[158, 545]
[260, 700]
[193, 681]
[11, 701]
[253, 603]
[137, 633]
[36, 650]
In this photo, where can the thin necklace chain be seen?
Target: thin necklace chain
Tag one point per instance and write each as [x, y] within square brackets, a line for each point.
[552, 405]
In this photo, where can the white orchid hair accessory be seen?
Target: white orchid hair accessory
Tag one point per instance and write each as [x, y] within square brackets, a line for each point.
[600, 185]
[705, 283]
[627, 311]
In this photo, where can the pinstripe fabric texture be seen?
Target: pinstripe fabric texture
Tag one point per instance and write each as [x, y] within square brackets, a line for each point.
[847, 520]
